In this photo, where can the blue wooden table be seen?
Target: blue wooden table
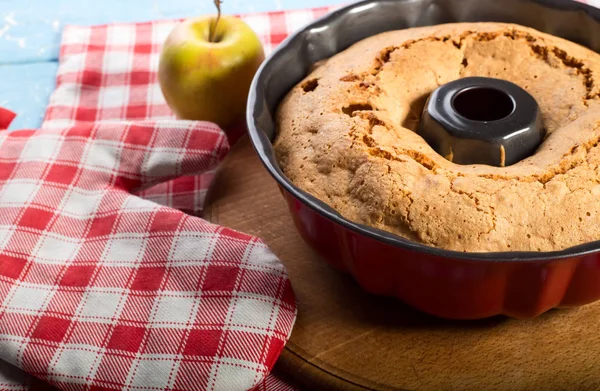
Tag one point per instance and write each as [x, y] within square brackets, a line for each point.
[30, 36]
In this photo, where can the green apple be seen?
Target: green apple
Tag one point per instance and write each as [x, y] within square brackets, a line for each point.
[206, 67]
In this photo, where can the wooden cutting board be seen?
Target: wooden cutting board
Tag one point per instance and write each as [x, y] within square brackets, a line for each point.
[345, 339]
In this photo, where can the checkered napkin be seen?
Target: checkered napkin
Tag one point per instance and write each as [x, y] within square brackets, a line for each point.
[109, 73]
[104, 283]
[101, 289]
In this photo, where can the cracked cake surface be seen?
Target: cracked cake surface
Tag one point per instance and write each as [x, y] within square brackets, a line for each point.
[347, 135]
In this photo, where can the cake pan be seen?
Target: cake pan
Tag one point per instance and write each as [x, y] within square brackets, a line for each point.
[443, 283]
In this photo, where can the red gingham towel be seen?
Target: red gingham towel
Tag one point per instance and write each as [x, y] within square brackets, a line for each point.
[101, 289]
[105, 290]
[108, 73]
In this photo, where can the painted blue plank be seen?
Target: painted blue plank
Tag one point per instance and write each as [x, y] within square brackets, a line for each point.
[30, 30]
[25, 89]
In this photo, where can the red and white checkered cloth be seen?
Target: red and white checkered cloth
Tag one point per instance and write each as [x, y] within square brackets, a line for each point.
[109, 73]
[101, 289]
[104, 283]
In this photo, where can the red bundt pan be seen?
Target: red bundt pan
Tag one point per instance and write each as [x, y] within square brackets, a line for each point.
[444, 283]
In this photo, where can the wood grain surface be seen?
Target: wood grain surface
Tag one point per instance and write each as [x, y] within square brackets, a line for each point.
[345, 339]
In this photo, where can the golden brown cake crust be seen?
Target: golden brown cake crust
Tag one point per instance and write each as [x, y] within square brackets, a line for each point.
[346, 134]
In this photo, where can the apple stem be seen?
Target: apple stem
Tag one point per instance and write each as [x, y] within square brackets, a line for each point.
[213, 26]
